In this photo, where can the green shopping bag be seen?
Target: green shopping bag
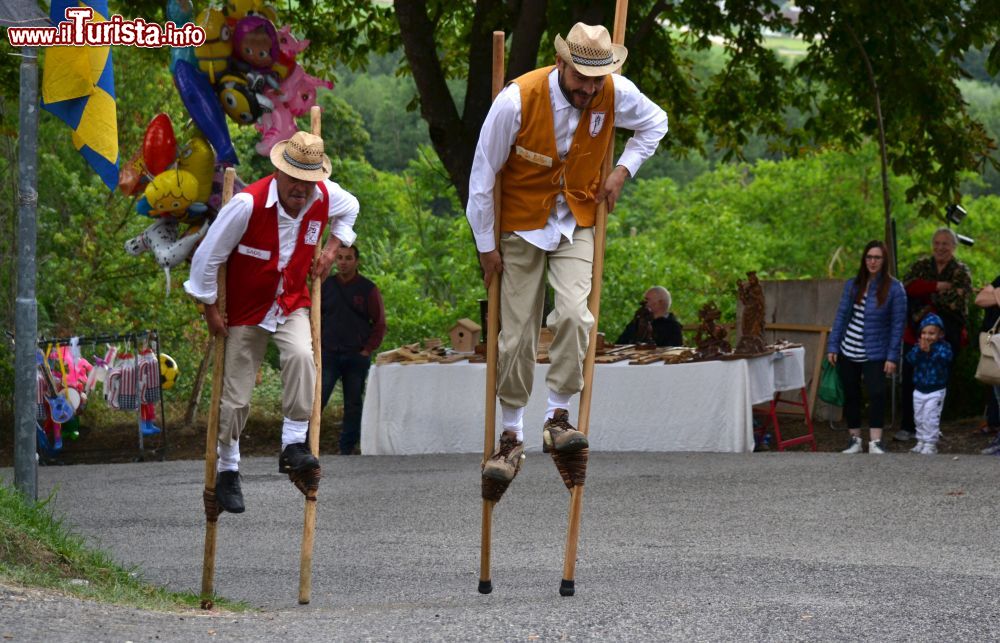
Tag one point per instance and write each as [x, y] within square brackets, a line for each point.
[831, 390]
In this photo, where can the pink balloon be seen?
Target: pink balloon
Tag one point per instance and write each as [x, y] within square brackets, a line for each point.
[159, 146]
[290, 47]
[276, 126]
[299, 90]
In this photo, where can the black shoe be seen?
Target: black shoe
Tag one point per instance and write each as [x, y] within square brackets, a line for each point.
[228, 494]
[296, 457]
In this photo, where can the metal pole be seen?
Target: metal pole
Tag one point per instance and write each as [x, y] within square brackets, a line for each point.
[26, 307]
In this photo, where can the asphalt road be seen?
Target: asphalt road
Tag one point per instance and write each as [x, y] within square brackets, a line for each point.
[770, 546]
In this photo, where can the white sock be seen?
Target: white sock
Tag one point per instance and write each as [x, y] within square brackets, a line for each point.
[293, 432]
[229, 456]
[513, 420]
[557, 401]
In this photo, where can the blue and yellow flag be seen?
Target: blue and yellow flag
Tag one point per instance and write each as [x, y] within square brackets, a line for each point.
[78, 86]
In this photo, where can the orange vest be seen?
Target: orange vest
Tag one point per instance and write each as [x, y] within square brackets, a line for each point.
[534, 174]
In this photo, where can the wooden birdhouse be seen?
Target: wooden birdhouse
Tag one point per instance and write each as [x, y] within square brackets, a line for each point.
[465, 335]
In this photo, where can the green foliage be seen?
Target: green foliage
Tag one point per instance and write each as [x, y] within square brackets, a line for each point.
[793, 219]
[382, 101]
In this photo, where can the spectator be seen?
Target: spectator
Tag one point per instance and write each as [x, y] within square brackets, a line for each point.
[353, 321]
[989, 299]
[653, 323]
[864, 343]
[937, 284]
[931, 359]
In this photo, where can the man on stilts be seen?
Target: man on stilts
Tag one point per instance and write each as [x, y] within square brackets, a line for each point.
[547, 133]
[266, 237]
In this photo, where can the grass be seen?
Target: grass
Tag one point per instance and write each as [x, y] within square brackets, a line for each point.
[37, 550]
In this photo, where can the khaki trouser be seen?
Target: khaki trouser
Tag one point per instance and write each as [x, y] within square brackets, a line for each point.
[522, 293]
[245, 348]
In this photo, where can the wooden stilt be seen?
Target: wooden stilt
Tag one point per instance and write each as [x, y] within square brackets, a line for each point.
[492, 334]
[567, 587]
[311, 488]
[212, 434]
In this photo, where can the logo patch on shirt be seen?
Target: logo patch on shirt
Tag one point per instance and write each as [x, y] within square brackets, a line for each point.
[533, 157]
[597, 123]
[312, 233]
[256, 253]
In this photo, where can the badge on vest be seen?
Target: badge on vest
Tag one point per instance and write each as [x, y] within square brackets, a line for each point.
[256, 253]
[312, 233]
[596, 123]
[533, 157]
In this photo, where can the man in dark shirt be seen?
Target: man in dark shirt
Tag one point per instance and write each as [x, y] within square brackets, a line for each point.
[653, 322]
[353, 321]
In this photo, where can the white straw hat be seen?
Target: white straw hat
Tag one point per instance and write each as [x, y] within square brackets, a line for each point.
[302, 157]
[588, 50]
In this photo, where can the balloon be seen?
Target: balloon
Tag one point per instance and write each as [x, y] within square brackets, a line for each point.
[201, 103]
[242, 102]
[213, 56]
[289, 47]
[161, 238]
[171, 192]
[198, 158]
[180, 13]
[159, 146]
[131, 175]
[238, 9]
[299, 90]
[255, 43]
[278, 125]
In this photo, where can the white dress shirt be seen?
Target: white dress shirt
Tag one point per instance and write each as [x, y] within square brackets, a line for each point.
[500, 129]
[231, 223]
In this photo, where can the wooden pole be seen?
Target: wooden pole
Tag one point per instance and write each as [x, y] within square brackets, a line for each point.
[309, 522]
[212, 434]
[567, 588]
[492, 334]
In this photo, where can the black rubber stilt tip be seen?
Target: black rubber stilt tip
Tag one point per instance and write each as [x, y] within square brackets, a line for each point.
[566, 588]
[485, 586]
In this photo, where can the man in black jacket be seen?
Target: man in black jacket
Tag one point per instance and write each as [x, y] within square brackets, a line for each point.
[353, 323]
[653, 323]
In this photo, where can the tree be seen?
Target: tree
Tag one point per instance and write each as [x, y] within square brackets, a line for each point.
[915, 48]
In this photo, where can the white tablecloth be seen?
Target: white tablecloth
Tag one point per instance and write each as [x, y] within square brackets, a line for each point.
[703, 406]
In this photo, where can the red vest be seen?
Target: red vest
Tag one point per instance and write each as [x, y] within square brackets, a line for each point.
[252, 273]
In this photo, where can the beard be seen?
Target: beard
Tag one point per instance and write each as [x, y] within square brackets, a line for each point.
[575, 96]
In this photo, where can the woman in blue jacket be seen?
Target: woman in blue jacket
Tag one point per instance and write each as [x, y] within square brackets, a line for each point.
[865, 342]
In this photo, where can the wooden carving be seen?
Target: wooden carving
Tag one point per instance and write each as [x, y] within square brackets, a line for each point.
[711, 337]
[752, 321]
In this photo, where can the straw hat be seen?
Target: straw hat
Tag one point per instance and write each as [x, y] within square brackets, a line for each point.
[589, 50]
[302, 157]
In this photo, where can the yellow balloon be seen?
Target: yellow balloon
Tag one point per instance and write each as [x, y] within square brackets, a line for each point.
[171, 192]
[198, 158]
[213, 56]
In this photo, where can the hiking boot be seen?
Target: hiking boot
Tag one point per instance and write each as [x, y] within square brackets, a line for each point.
[506, 461]
[876, 446]
[903, 435]
[560, 436]
[228, 494]
[919, 447]
[854, 446]
[297, 457]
